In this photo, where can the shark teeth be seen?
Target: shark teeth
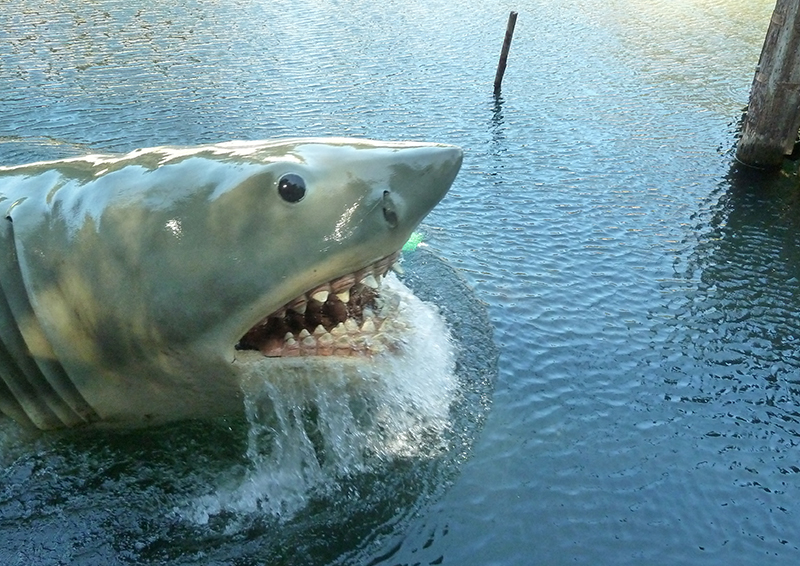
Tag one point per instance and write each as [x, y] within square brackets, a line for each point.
[321, 296]
[299, 305]
[346, 339]
[370, 281]
[337, 318]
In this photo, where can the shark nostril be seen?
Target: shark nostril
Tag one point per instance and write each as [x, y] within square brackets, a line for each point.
[389, 212]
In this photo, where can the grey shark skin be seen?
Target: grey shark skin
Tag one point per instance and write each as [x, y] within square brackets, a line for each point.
[127, 281]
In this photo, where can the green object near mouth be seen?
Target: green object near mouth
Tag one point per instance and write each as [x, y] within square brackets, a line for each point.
[413, 242]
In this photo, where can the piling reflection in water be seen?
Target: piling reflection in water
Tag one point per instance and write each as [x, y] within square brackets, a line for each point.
[740, 322]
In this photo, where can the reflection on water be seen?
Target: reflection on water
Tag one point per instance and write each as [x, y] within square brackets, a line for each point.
[741, 315]
[643, 292]
[496, 125]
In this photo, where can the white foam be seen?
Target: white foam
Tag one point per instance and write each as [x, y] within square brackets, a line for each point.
[313, 423]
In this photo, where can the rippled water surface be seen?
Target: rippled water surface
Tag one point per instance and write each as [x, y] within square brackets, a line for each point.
[642, 288]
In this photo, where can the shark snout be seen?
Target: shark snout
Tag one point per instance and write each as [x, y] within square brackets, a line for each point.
[420, 179]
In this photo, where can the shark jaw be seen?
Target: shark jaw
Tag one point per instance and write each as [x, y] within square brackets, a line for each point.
[345, 317]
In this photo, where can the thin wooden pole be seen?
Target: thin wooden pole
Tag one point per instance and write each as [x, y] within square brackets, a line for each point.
[773, 113]
[501, 66]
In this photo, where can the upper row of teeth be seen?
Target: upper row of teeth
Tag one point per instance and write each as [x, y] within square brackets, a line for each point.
[369, 276]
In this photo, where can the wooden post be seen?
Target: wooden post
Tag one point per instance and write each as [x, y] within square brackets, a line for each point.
[773, 114]
[501, 66]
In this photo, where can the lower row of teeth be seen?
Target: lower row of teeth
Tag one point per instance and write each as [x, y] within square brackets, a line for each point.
[374, 336]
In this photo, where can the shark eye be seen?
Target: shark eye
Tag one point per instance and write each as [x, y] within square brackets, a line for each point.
[292, 188]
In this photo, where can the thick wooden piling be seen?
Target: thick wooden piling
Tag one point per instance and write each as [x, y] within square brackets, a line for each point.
[773, 114]
[501, 66]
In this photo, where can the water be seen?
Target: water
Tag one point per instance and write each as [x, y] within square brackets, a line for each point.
[642, 288]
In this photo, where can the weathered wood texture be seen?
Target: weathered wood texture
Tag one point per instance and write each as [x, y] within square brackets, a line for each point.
[501, 66]
[773, 114]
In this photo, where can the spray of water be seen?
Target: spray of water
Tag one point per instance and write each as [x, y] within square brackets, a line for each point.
[314, 422]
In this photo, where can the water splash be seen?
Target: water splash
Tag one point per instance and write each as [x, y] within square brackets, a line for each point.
[313, 423]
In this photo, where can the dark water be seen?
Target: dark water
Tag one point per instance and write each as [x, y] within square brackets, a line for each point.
[643, 289]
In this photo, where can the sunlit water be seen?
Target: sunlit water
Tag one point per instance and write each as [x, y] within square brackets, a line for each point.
[642, 288]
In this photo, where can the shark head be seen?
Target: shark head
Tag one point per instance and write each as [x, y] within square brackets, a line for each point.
[334, 217]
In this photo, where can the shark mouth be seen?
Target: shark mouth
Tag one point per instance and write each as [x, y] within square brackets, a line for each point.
[343, 317]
